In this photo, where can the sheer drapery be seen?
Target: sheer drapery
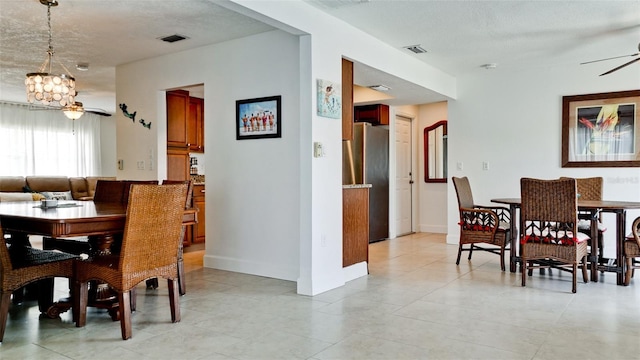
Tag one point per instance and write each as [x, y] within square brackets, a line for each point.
[45, 142]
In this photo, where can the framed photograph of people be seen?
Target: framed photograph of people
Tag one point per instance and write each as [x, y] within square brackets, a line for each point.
[258, 118]
[601, 130]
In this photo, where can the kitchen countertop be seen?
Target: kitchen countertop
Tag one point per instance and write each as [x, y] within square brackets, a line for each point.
[356, 186]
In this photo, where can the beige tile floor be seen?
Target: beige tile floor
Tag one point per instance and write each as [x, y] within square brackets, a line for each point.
[415, 304]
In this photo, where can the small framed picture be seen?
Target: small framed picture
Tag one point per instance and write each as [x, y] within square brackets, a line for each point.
[258, 118]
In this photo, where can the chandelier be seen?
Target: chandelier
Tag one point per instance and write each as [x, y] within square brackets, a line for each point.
[46, 87]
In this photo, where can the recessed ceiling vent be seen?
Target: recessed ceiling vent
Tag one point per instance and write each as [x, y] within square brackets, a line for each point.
[173, 38]
[416, 49]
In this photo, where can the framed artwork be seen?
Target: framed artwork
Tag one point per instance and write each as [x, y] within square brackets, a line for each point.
[601, 130]
[329, 99]
[258, 118]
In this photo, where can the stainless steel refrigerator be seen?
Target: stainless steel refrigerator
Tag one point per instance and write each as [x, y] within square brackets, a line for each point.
[366, 161]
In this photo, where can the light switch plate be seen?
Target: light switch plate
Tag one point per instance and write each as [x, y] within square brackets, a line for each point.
[318, 149]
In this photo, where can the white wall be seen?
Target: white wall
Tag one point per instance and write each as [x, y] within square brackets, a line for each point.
[252, 186]
[513, 120]
[328, 41]
[432, 196]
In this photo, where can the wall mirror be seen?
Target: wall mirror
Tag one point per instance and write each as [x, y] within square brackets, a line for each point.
[435, 152]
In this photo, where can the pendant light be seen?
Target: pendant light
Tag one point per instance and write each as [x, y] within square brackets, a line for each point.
[46, 87]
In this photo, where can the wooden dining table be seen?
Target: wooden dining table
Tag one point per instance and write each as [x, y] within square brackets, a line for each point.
[100, 221]
[593, 207]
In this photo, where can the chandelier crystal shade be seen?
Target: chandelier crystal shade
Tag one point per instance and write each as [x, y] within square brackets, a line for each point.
[46, 87]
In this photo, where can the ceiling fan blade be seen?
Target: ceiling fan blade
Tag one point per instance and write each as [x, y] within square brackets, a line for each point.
[98, 112]
[620, 67]
[611, 58]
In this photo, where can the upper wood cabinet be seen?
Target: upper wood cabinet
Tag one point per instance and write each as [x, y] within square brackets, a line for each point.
[377, 114]
[347, 100]
[177, 110]
[195, 125]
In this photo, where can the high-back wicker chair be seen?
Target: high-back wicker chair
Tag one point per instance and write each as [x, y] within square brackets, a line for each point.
[548, 227]
[481, 224]
[632, 250]
[21, 265]
[153, 283]
[591, 189]
[152, 231]
[107, 191]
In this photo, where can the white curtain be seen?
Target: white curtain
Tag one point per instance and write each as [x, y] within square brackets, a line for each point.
[45, 142]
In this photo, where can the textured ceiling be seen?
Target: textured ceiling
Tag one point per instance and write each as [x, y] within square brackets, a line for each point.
[459, 36]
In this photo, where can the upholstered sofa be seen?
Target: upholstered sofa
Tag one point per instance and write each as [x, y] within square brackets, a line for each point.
[30, 188]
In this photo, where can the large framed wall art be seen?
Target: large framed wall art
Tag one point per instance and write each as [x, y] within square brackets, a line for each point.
[601, 130]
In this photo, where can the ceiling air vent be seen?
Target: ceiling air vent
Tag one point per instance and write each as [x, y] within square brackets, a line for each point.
[173, 38]
[416, 49]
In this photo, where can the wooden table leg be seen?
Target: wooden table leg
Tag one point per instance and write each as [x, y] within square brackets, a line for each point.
[513, 253]
[593, 257]
[621, 220]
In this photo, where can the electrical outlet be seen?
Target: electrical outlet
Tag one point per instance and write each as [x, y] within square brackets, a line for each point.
[459, 166]
[485, 165]
[141, 165]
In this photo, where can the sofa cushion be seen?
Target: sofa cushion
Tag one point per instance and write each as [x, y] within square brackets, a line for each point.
[79, 188]
[48, 183]
[12, 183]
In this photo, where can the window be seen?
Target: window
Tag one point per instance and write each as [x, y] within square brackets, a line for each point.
[45, 142]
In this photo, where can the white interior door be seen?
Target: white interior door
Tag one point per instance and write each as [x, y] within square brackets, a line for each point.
[404, 178]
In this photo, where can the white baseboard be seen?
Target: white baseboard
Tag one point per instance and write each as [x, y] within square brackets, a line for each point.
[249, 267]
[355, 271]
[438, 229]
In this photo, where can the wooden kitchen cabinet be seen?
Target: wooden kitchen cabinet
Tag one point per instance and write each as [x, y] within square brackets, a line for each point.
[377, 114]
[177, 110]
[178, 163]
[355, 225]
[198, 229]
[195, 125]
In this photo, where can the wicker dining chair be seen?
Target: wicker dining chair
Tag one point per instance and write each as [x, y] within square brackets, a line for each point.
[21, 265]
[107, 191]
[591, 189]
[549, 237]
[632, 251]
[149, 249]
[153, 283]
[481, 224]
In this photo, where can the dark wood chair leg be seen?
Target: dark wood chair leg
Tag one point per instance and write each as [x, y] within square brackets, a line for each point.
[174, 301]
[80, 303]
[181, 281]
[125, 314]
[134, 299]
[459, 254]
[5, 299]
